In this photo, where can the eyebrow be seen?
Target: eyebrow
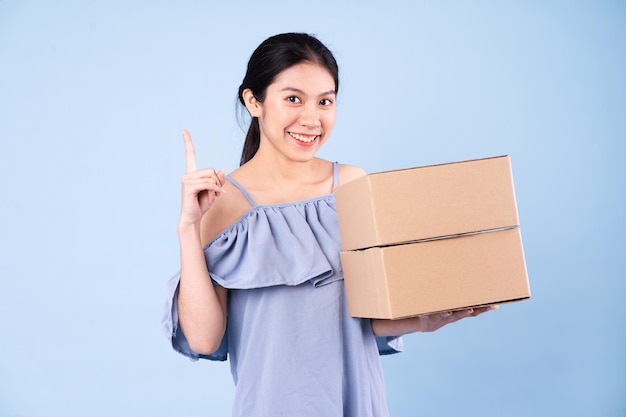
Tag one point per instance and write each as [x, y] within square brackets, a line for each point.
[297, 90]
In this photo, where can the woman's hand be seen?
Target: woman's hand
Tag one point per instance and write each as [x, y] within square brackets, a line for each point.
[435, 321]
[426, 322]
[200, 188]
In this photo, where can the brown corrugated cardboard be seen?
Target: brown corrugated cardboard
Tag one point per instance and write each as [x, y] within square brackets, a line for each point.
[429, 239]
[436, 275]
[424, 202]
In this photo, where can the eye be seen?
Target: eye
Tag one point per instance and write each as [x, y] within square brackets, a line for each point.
[293, 99]
[326, 102]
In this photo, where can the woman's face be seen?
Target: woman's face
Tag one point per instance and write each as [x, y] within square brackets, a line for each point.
[298, 112]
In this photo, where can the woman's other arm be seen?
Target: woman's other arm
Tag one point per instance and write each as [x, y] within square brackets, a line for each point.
[424, 323]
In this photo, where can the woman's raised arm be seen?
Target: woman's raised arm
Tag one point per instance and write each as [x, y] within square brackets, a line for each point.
[201, 305]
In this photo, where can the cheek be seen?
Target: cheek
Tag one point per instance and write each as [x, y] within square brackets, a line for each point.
[329, 119]
[273, 114]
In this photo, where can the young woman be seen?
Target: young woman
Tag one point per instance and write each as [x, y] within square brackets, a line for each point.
[260, 280]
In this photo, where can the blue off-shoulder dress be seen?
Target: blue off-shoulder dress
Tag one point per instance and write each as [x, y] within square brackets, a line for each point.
[293, 348]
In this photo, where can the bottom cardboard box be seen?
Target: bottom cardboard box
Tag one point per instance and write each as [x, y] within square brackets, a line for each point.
[411, 279]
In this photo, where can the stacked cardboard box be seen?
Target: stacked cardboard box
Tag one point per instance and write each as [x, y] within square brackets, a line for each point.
[433, 238]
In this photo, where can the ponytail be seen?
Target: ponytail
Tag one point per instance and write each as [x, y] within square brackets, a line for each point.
[253, 139]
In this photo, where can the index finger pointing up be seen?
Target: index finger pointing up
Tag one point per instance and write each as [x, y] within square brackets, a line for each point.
[190, 153]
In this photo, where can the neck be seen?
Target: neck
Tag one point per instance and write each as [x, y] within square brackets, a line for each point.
[277, 180]
[276, 167]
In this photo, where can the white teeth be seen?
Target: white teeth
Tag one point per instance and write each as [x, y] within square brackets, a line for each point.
[303, 138]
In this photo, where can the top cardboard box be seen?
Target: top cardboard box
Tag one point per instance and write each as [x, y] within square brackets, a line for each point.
[426, 202]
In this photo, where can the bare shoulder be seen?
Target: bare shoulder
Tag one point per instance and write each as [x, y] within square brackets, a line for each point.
[348, 173]
[228, 207]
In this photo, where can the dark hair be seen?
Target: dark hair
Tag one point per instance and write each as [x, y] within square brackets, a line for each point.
[270, 58]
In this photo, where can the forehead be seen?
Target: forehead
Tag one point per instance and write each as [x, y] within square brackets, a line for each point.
[308, 77]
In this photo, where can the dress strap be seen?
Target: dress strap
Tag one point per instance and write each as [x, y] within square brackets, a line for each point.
[243, 190]
[335, 174]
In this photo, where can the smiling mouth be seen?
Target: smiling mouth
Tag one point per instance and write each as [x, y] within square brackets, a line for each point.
[304, 138]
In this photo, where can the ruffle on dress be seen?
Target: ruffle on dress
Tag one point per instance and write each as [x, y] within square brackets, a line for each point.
[284, 244]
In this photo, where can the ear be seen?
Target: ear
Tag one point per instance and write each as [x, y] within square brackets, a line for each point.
[253, 105]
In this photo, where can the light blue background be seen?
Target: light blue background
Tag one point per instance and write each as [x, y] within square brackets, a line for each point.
[93, 97]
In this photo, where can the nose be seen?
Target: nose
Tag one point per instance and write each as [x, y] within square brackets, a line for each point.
[310, 117]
